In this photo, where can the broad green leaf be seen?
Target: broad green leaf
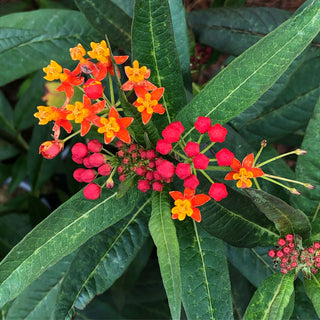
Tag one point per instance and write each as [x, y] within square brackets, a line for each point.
[286, 218]
[104, 258]
[178, 16]
[68, 227]
[271, 298]
[7, 150]
[38, 300]
[30, 39]
[126, 5]
[254, 263]
[164, 235]
[19, 172]
[308, 167]
[313, 291]
[236, 221]
[6, 114]
[234, 30]
[107, 17]
[247, 77]
[153, 45]
[204, 274]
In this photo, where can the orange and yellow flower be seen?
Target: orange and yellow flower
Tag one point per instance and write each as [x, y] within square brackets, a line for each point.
[244, 172]
[115, 126]
[185, 204]
[137, 77]
[147, 102]
[84, 113]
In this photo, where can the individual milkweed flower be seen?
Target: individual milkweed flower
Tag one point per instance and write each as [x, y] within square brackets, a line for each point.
[244, 172]
[92, 191]
[203, 124]
[115, 126]
[84, 113]
[78, 53]
[173, 132]
[217, 133]
[147, 102]
[218, 191]
[50, 149]
[93, 89]
[186, 203]
[137, 77]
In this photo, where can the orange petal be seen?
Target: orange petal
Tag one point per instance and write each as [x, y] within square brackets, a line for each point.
[229, 176]
[123, 135]
[113, 113]
[107, 140]
[247, 162]
[189, 193]
[120, 59]
[176, 195]
[65, 124]
[236, 165]
[196, 215]
[125, 122]
[85, 127]
[257, 172]
[98, 107]
[199, 199]
[146, 116]
[157, 93]
[140, 92]
[159, 109]
[127, 86]
[148, 85]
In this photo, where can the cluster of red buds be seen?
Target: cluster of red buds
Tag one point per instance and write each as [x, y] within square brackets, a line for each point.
[290, 254]
[201, 56]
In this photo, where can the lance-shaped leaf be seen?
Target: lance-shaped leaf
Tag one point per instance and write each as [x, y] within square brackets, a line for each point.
[103, 260]
[68, 227]
[286, 218]
[39, 298]
[244, 80]
[30, 39]
[164, 235]
[108, 18]
[271, 298]
[312, 287]
[204, 273]
[153, 45]
[237, 221]
[308, 167]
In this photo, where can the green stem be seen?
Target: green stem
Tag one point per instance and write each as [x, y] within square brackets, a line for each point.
[218, 168]
[208, 147]
[71, 136]
[284, 179]
[276, 158]
[207, 176]
[111, 89]
[14, 139]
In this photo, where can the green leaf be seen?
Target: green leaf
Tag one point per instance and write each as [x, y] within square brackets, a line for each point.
[153, 45]
[308, 167]
[286, 218]
[271, 298]
[30, 39]
[237, 221]
[254, 263]
[204, 273]
[38, 300]
[163, 233]
[6, 114]
[68, 227]
[107, 17]
[312, 287]
[234, 30]
[103, 260]
[19, 172]
[247, 77]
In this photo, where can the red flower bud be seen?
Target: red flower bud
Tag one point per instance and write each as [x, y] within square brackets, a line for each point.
[86, 162]
[50, 149]
[88, 175]
[143, 185]
[105, 169]
[289, 237]
[201, 161]
[217, 133]
[79, 150]
[151, 154]
[97, 160]
[224, 157]
[77, 174]
[157, 186]
[183, 170]
[94, 146]
[203, 124]
[165, 169]
[282, 242]
[92, 191]
[173, 132]
[93, 89]
[141, 171]
[163, 147]
[192, 149]
[191, 182]
[272, 253]
[218, 191]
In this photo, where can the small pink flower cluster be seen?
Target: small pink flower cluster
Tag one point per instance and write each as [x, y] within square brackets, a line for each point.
[201, 56]
[196, 159]
[148, 164]
[290, 254]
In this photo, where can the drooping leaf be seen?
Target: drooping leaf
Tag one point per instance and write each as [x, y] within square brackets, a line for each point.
[68, 227]
[107, 17]
[38, 300]
[286, 218]
[234, 30]
[104, 258]
[247, 77]
[271, 298]
[307, 169]
[164, 235]
[29, 38]
[204, 274]
[312, 287]
[153, 45]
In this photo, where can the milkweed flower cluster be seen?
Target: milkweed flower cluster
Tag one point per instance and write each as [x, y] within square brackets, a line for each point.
[150, 168]
[291, 255]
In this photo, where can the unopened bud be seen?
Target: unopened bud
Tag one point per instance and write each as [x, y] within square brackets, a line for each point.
[294, 191]
[300, 152]
[110, 183]
[309, 186]
[264, 143]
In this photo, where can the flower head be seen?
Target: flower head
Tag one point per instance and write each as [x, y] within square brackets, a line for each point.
[77, 53]
[185, 204]
[50, 149]
[244, 172]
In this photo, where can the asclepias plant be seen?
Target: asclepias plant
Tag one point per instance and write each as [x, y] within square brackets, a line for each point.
[183, 195]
